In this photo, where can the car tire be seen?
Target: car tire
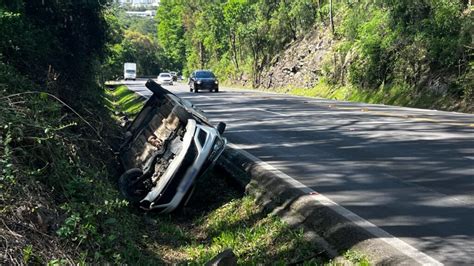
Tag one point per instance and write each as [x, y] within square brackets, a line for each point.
[132, 193]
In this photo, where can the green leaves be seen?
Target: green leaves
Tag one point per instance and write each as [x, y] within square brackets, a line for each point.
[171, 31]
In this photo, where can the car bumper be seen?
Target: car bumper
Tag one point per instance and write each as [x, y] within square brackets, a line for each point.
[206, 86]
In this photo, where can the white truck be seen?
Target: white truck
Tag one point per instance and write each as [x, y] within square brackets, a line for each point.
[130, 71]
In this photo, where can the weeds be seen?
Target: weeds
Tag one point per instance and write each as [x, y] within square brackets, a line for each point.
[357, 257]
[255, 237]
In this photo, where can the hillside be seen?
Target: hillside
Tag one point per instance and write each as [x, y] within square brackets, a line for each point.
[326, 65]
[408, 53]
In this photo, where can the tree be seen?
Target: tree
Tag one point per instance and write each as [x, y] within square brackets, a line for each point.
[331, 17]
[171, 31]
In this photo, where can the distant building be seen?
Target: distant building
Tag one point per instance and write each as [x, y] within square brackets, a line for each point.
[139, 3]
[146, 13]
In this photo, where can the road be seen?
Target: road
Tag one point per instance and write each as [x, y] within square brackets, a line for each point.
[408, 171]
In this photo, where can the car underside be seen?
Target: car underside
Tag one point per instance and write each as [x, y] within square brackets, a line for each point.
[166, 148]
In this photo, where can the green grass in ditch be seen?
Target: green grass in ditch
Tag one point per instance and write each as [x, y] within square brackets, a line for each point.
[255, 237]
[219, 217]
[123, 100]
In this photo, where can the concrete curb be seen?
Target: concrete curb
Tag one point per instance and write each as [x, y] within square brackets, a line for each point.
[299, 207]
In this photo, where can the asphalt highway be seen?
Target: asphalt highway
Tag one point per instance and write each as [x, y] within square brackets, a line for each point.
[408, 171]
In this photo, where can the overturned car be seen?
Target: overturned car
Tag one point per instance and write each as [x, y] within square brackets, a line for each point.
[166, 148]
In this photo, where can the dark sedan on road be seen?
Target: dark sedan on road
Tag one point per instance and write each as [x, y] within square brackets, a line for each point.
[203, 80]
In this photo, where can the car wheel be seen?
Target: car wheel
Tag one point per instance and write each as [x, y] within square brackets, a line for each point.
[132, 191]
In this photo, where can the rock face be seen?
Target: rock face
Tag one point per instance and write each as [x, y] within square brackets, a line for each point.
[300, 65]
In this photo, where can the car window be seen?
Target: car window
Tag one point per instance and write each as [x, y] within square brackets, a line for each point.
[204, 74]
[165, 75]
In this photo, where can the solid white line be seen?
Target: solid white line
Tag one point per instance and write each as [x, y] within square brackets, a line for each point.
[271, 112]
[396, 243]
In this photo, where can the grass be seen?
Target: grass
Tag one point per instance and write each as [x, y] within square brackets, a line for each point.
[357, 258]
[255, 237]
[124, 101]
[198, 233]
[397, 95]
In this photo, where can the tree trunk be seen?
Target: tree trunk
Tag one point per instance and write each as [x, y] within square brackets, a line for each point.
[201, 55]
[330, 17]
[234, 51]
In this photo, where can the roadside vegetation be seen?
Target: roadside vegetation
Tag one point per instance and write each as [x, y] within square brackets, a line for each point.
[59, 203]
[134, 39]
[400, 52]
[123, 102]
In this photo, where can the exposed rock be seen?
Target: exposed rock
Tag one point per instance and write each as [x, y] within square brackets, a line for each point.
[300, 64]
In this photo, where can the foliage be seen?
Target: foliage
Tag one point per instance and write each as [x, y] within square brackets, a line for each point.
[407, 42]
[55, 44]
[357, 258]
[133, 39]
[235, 38]
[47, 154]
[171, 31]
[423, 45]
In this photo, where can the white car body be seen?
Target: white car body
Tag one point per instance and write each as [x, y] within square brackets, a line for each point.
[204, 149]
[165, 79]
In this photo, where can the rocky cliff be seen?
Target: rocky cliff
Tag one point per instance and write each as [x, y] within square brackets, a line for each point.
[300, 64]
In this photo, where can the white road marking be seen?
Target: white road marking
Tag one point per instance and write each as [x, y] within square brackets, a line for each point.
[396, 243]
[271, 112]
[248, 109]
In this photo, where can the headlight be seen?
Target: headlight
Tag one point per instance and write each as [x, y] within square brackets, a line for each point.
[217, 82]
[199, 82]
